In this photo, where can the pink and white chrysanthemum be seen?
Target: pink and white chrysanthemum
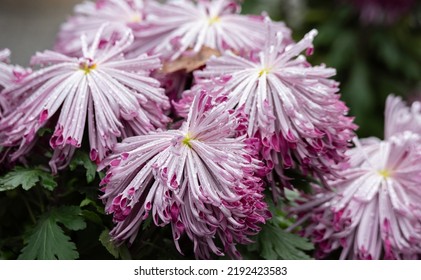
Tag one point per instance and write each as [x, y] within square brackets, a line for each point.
[115, 96]
[374, 210]
[9, 76]
[90, 16]
[399, 117]
[200, 179]
[293, 107]
[185, 25]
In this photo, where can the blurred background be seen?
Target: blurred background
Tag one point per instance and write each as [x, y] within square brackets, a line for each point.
[28, 26]
[375, 45]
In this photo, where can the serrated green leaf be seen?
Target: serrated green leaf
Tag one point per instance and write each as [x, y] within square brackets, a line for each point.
[27, 178]
[278, 244]
[70, 217]
[47, 240]
[83, 159]
[19, 177]
[47, 181]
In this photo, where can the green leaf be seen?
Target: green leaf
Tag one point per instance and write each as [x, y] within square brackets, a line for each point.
[47, 181]
[117, 251]
[92, 216]
[124, 253]
[82, 159]
[27, 178]
[278, 244]
[105, 240]
[70, 217]
[87, 201]
[47, 240]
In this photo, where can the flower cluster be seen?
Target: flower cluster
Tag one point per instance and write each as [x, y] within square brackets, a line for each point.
[374, 210]
[195, 110]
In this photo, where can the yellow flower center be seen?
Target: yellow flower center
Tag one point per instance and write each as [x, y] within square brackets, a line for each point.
[384, 173]
[186, 140]
[136, 18]
[87, 68]
[214, 20]
[264, 71]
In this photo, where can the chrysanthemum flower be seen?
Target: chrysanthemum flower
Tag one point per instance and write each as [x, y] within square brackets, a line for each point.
[114, 95]
[374, 210]
[293, 107]
[185, 25]
[201, 179]
[9, 76]
[399, 117]
[90, 16]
